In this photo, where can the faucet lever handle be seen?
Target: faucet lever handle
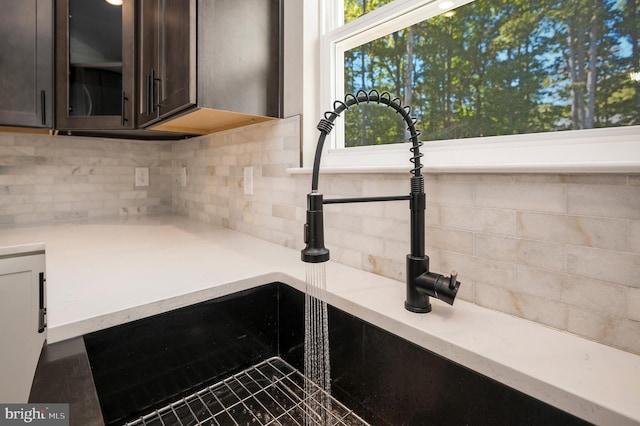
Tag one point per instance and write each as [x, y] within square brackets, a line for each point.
[453, 279]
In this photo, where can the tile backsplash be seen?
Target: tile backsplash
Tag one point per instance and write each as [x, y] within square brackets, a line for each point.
[561, 250]
[53, 178]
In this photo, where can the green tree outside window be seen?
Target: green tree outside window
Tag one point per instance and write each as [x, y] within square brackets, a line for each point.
[500, 67]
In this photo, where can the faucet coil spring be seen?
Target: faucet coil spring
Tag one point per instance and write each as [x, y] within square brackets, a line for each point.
[325, 125]
[417, 165]
[417, 184]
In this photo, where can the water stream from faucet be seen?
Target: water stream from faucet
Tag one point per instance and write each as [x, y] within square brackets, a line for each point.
[316, 347]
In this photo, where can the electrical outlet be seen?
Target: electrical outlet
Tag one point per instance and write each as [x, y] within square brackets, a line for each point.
[183, 176]
[141, 177]
[248, 180]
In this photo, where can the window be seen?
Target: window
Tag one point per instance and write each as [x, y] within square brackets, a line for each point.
[488, 71]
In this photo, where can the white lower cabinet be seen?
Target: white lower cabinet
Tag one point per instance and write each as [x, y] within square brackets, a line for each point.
[22, 318]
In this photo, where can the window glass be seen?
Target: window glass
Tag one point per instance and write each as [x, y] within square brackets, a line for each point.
[495, 67]
[353, 9]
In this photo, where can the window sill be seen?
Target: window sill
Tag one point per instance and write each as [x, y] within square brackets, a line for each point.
[348, 170]
[612, 150]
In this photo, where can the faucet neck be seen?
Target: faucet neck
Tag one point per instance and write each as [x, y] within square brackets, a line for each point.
[417, 204]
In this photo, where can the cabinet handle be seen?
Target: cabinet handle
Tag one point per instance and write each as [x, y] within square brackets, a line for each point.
[42, 311]
[156, 90]
[153, 91]
[43, 106]
[123, 119]
[149, 89]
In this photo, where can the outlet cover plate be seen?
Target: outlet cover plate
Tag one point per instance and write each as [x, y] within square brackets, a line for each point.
[141, 178]
[248, 180]
[183, 176]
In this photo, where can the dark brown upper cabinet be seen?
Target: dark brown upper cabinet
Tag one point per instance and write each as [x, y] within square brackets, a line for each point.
[209, 65]
[26, 63]
[95, 65]
[167, 64]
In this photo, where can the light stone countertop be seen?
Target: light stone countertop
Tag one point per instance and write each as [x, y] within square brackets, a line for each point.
[105, 272]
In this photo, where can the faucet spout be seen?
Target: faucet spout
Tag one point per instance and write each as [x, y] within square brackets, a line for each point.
[315, 251]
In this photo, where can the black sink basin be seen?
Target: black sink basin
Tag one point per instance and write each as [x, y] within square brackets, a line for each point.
[146, 364]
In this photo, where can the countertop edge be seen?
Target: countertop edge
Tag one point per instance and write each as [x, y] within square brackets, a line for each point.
[22, 250]
[84, 326]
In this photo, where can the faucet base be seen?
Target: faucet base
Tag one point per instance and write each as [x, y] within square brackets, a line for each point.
[422, 284]
[418, 309]
[415, 301]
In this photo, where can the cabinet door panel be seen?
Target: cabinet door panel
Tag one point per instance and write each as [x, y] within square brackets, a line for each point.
[22, 343]
[177, 56]
[148, 64]
[167, 58]
[26, 63]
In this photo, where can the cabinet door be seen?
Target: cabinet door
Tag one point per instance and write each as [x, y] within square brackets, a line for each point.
[26, 63]
[177, 56]
[167, 58]
[21, 329]
[148, 42]
[95, 65]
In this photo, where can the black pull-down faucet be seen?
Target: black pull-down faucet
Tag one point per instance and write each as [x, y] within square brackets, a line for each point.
[421, 283]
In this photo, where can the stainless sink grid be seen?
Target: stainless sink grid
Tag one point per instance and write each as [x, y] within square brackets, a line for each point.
[269, 393]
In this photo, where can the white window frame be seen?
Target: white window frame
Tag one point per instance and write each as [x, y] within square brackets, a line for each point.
[572, 151]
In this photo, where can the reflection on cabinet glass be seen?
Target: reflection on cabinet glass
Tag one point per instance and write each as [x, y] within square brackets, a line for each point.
[96, 60]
